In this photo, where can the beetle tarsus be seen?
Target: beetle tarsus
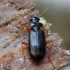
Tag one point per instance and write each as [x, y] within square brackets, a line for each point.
[24, 46]
[49, 51]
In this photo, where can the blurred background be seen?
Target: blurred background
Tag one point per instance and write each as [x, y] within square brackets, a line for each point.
[59, 15]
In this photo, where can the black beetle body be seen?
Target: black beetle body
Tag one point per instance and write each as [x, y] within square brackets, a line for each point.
[37, 47]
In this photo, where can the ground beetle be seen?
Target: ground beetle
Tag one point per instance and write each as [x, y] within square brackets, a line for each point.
[37, 46]
[37, 43]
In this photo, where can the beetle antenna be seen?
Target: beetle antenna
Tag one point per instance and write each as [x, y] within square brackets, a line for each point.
[45, 10]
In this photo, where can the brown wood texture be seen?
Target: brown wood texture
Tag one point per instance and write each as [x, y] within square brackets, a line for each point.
[14, 55]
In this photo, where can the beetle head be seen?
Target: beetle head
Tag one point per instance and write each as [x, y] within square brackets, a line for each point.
[34, 18]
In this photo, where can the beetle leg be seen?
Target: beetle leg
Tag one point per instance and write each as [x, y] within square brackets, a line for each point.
[46, 33]
[28, 28]
[16, 35]
[24, 43]
[49, 51]
[49, 41]
[24, 46]
[20, 32]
